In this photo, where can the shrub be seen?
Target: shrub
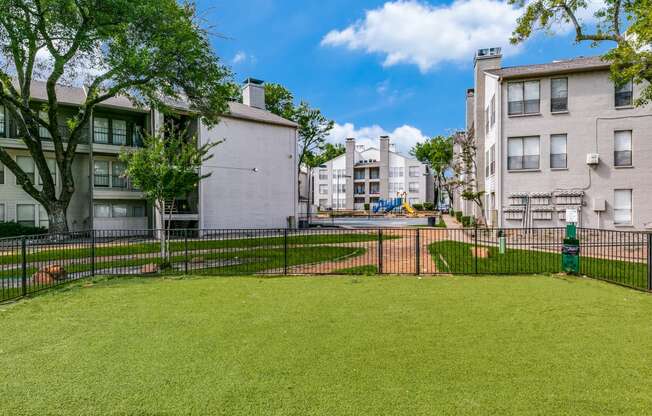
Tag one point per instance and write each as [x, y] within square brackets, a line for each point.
[366, 206]
[458, 215]
[441, 223]
[13, 229]
[428, 206]
[418, 207]
[466, 221]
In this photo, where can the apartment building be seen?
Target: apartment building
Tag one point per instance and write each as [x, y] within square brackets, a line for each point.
[245, 188]
[561, 136]
[363, 175]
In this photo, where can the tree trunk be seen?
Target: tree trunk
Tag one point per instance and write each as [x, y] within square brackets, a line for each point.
[57, 217]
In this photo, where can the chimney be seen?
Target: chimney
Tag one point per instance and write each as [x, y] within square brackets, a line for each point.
[253, 93]
[384, 166]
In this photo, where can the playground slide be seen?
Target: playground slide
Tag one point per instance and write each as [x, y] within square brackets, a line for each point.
[409, 208]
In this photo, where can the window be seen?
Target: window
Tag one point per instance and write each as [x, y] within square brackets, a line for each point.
[558, 95]
[374, 173]
[136, 135]
[558, 153]
[493, 110]
[523, 97]
[2, 212]
[323, 203]
[119, 210]
[492, 159]
[486, 163]
[100, 130]
[358, 174]
[396, 172]
[42, 131]
[374, 188]
[396, 187]
[118, 179]
[25, 214]
[323, 189]
[623, 148]
[323, 174]
[340, 188]
[414, 171]
[486, 120]
[119, 132]
[359, 189]
[101, 173]
[102, 210]
[413, 187]
[625, 94]
[52, 166]
[623, 206]
[43, 220]
[523, 153]
[27, 165]
[138, 210]
[338, 173]
[2, 174]
[3, 122]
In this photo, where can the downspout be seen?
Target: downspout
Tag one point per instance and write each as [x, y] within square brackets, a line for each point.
[91, 173]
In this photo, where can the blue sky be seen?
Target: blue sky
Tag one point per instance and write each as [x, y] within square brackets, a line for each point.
[400, 67]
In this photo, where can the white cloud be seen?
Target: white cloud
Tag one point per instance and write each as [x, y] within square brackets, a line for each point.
[417, 33]
[414, 32]
[403, 137]
[239, 57]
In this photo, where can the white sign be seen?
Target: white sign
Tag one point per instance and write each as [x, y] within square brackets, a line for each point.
[572, 216]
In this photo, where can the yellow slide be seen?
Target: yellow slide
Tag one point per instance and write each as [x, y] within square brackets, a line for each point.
[406, 205]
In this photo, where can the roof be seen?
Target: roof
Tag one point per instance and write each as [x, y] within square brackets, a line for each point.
[245, 112]
[77, 95]
[581, 64]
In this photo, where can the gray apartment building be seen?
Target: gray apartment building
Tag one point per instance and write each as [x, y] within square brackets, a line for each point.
[560, 137]
[253, 171]
[363, 175]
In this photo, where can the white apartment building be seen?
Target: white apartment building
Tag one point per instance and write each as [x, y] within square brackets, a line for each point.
[560, 136]
[363, 175]
[252, 182]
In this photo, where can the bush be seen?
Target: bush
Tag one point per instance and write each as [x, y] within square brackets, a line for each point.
[428, 206]
[366, 206]
[13, 229]
[418, 207]
[466, 221]
[441, 223]
[458, 215]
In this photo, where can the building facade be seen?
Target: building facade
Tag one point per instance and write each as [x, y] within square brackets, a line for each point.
[237, 194]
[364, 175]
[561, 136]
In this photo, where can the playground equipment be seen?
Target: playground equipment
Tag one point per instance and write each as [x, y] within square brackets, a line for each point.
[388, 205]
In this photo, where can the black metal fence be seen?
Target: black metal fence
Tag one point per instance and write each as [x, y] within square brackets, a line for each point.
[34, 263]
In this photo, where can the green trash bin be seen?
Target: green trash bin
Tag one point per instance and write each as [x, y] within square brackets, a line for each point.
[570, 251]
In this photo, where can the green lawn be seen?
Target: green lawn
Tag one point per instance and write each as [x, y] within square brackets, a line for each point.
[457, 257]
[129, 247]
[329, 346]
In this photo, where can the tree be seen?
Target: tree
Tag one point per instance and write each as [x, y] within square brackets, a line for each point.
[312, 131]
[280, 101]
[165, 168]
[627, 24]
[147, 50]
[465, 168]
[437, 153]
[327, 152]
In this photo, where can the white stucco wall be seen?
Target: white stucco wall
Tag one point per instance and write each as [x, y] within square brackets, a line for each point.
[235, 196]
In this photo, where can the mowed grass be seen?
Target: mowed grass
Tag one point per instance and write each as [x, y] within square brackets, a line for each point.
[329, 346]
[457, 257]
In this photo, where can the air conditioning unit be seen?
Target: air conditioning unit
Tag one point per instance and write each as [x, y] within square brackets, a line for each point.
[592, 159]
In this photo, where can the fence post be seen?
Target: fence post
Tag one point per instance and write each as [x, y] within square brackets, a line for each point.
[285, 251]
[417, 250]
[649, 262]
[380, 251]
[23, 250]
[93, 253]
[185, 249]
[475, 244]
